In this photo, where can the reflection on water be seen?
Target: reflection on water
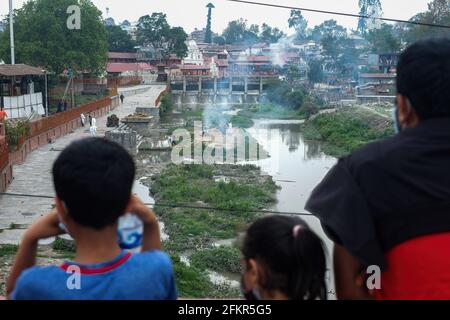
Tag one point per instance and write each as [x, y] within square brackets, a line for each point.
[143, 193]
[296, 165]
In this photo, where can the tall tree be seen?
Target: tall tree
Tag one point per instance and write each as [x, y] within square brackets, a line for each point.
[219, 40]
[315, 72]
[43, 39]
[384, 39]
[438, 13]
[269, 34]
[235, 32]
[176, 43]
[119, 40]
[208, 35]
[155, 32]
[368, 8]
[299, 23]
[334, 40]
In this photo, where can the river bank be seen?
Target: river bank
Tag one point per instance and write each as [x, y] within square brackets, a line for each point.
[347, 129]
[203, 242]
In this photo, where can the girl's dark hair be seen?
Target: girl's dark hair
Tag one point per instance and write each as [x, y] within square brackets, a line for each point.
[292, 262]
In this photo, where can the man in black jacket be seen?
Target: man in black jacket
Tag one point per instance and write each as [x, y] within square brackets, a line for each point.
[388, 204]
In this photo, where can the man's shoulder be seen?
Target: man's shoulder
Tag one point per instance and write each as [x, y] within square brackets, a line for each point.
[375, 153]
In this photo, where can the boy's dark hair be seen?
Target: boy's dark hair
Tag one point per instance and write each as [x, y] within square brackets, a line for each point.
[293, 263]
[94, 178]
[423, 76]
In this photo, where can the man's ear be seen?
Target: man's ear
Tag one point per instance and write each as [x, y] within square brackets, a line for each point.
[407, 116]
[252, 274]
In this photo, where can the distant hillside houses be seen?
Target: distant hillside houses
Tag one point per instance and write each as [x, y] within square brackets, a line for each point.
[258, 60]
[199, 35]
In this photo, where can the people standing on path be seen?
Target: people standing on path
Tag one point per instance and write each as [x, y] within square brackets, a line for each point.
[93, 128]
[122, 98]
[90, 120]
[83, 120]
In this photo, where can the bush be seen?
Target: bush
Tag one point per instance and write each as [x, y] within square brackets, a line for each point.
[344, 132]
[220, 259]
[166, 104]
[64, 245]
[240, 121]
[17, 130]
[8, 250]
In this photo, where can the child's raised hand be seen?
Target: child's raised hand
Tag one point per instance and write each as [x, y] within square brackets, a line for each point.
[45, 227]
[137, 207]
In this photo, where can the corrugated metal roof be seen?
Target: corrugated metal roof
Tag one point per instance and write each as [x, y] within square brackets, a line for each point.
[122, 67]
[9, 70]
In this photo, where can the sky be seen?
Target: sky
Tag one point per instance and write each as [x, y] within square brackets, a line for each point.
[191, 14]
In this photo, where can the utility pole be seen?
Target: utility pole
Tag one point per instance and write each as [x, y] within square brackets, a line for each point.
[11, 31]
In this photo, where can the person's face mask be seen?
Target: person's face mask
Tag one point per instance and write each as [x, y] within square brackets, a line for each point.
[250, 295]
[397, 126]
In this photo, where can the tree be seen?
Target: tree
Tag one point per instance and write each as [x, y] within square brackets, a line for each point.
[251, 35]
[295, 99]
[219, 40]
[208, 35]
[299, 23]
[154, 31]
[384, 40]
[176, 42]
[235, 31]
[126, 23]
[110, 22]
[119, 40]
[315, 73]
[438, 13]
[333, 38]
[368, 8]
[43, 39]
[270, 35]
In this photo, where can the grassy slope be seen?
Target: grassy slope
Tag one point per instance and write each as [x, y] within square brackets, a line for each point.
[194, 230]
[347, 130]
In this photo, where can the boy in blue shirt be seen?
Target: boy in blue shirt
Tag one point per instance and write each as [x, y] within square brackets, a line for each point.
[93, 180]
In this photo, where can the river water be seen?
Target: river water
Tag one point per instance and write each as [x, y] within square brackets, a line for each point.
[297, 166]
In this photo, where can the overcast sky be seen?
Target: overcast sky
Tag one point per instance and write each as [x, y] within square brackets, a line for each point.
[191, 14]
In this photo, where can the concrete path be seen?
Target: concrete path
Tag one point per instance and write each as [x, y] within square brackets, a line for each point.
[34, 176]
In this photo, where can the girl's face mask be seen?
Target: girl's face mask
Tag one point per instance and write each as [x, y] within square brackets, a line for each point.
[250, 295]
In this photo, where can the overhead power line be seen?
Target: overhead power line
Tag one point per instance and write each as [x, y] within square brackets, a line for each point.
[173, 205]
[341, 14]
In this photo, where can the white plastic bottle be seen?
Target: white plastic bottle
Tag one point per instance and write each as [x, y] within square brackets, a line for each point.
[131, 231]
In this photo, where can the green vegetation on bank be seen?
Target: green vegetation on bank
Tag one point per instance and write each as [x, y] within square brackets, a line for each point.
[346, 130]
[219, 259]
[240, 121]
[166, 104]
[271, 111]
[193, 231]
[8, 250]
